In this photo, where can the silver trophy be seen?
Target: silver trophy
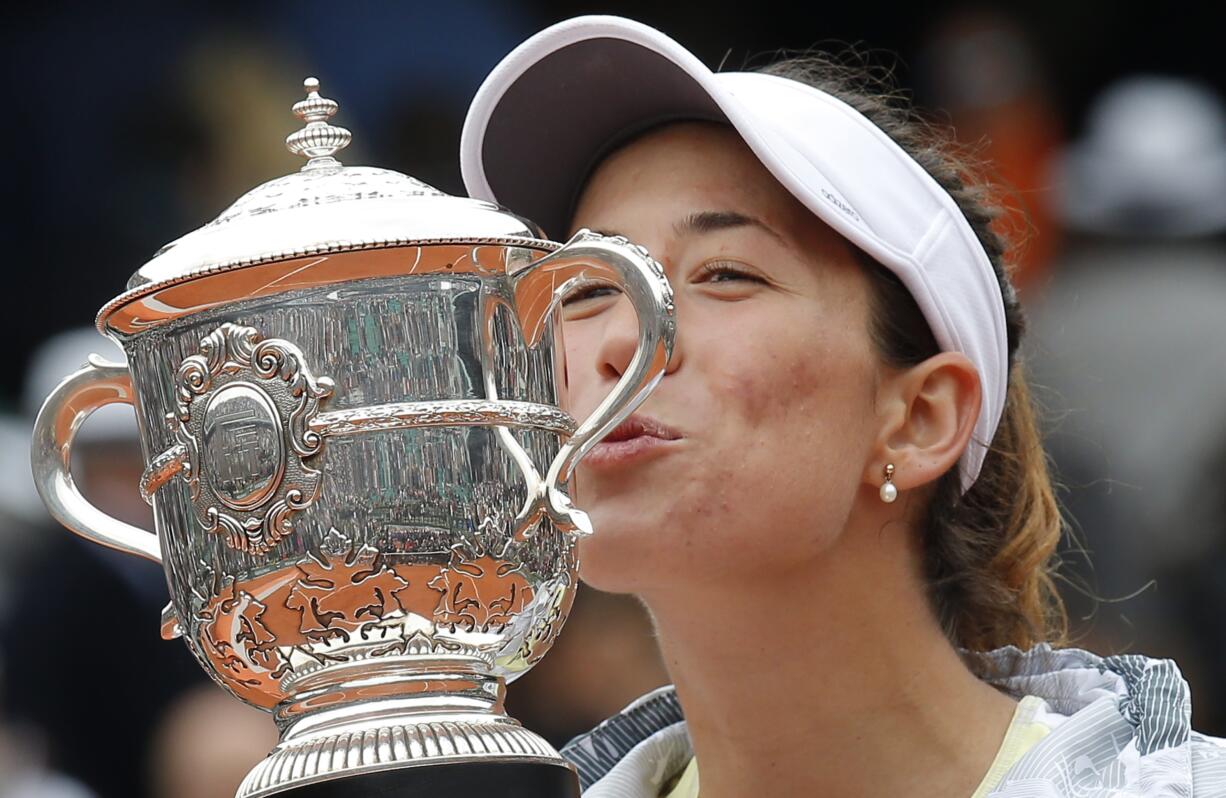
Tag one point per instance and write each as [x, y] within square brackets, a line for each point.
[347, 388]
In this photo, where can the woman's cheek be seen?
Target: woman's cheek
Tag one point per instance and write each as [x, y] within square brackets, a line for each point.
[579, 374]
[759, 384]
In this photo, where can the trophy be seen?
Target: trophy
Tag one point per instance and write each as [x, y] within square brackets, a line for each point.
[348, 391]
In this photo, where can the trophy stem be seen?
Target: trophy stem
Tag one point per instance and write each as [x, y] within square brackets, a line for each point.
[350, 694]
[366, 717]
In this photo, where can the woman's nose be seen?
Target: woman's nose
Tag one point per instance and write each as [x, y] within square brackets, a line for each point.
[621, 340]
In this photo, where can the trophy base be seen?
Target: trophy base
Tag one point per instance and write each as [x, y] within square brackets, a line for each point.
[405, 725]
[478, 779]
[408, 756]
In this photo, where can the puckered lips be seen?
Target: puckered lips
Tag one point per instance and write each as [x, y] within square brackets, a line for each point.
[633, 440]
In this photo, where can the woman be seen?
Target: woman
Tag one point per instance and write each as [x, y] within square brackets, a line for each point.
[835, 503]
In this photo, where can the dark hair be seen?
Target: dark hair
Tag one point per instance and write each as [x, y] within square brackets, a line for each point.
[989, 554]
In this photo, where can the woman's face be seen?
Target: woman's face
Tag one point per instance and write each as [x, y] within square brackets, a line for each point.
[770, 390]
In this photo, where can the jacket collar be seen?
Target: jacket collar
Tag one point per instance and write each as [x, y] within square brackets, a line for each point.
[1128, 731]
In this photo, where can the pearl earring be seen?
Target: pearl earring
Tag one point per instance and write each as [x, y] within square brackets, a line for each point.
[888, 491]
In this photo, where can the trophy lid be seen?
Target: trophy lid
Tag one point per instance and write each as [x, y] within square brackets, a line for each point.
[321, 211]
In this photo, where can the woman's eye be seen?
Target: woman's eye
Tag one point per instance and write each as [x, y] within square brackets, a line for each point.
[725, 271]
[589, 292]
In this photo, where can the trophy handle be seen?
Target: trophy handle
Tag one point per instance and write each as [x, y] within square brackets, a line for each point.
[589, 257]
[97, 384]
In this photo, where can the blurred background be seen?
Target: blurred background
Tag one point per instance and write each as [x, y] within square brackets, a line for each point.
[129, 125]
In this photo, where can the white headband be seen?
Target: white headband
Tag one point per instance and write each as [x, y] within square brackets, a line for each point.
[561, 100]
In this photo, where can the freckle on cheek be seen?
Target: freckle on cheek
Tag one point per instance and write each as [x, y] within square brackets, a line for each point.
[745, 395]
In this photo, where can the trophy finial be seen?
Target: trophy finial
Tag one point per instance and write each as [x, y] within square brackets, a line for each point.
[319, 140]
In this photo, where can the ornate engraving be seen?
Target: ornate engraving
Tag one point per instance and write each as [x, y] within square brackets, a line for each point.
[419, 643]
[444, 413]
[484, 587]
[548, 622]
[161, 470]
[342, 589]
[244, 408]
[350, 604]
[232, 634]
[235, 637]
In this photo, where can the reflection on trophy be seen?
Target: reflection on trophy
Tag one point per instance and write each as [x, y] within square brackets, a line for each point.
[347, 391]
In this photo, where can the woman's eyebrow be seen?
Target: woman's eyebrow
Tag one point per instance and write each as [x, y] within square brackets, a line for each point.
[710, 221]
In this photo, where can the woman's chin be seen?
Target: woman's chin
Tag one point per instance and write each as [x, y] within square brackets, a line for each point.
[612, 559]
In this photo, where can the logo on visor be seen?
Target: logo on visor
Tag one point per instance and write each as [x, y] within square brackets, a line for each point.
[841, 205]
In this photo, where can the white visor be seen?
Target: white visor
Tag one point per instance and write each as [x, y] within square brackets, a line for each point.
[558, 103]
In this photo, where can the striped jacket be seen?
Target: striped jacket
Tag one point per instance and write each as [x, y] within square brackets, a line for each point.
[1127, 734]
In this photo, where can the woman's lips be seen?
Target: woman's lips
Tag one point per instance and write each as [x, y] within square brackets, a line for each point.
[633, 440]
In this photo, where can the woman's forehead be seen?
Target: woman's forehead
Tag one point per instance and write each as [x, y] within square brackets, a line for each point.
[694, 176]
[683, 164]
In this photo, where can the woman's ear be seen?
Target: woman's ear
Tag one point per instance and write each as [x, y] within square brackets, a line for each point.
[928, 412]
